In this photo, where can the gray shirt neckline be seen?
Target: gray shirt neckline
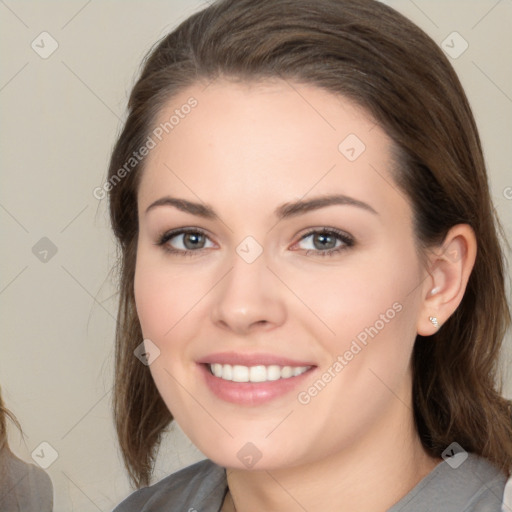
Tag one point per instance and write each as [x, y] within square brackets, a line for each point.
[475, 485]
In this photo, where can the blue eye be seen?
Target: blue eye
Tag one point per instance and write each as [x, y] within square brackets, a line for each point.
[185, 241]
[325, 242]
[319, 242]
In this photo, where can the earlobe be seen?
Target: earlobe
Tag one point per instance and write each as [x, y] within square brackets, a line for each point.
[450, 266]
[434, 321]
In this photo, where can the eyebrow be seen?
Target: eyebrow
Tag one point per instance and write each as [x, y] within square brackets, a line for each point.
[284, 211]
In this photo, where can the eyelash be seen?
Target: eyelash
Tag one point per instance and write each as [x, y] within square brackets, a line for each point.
[347, 240]
[169, 235]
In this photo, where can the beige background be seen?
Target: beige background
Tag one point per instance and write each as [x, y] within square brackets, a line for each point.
[60, 116]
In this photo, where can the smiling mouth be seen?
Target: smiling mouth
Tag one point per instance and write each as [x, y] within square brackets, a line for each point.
[258, 373]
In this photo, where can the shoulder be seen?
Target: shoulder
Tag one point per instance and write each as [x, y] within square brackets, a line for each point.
[488, 484]
[23, 486]
[27, 474]
[474, 485]
[195, 487]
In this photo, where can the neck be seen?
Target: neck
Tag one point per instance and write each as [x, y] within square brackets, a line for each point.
[371, 476]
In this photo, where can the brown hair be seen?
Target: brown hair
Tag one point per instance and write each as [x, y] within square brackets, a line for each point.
[374, 56]
[4, 414]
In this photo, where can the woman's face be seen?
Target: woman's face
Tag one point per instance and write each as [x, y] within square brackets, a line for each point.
[297, 275]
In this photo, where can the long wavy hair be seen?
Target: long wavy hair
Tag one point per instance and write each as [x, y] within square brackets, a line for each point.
[374, 56]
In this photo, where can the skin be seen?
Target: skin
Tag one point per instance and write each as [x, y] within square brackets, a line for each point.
[245, 150]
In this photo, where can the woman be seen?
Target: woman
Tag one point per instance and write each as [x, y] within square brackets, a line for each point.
[311, 276]
[23, 487]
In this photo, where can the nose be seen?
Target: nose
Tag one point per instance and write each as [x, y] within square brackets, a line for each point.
[249, 298]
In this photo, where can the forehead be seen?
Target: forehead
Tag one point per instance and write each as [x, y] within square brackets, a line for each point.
[266, 141]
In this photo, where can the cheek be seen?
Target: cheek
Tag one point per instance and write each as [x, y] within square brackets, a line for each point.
[345, 299]
[164, 294]
[164, 298]
[374, 319]
[152, 303]
[370, 306]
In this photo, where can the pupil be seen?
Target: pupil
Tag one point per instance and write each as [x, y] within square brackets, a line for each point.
[193, 240]
[325, 241]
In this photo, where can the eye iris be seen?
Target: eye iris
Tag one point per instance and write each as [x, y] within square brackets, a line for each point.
[193, 240]
[324, 241]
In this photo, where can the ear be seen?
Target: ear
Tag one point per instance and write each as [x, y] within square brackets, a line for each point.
[449, 268]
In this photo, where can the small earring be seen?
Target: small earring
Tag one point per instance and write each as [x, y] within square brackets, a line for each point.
[434, 321]
[434, 290]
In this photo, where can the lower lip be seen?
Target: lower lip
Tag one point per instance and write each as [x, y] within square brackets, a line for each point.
[251, 393]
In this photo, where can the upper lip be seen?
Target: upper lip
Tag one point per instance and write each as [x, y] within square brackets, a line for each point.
[238, 358]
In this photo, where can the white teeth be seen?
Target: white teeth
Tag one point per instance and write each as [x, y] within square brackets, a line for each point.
[227, 372]
[286, 372]
[216, 369]
[273, 372]
[240, 373]
[259, 373]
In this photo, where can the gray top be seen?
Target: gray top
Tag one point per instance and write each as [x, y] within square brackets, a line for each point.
[23, 487]
[474, 486]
